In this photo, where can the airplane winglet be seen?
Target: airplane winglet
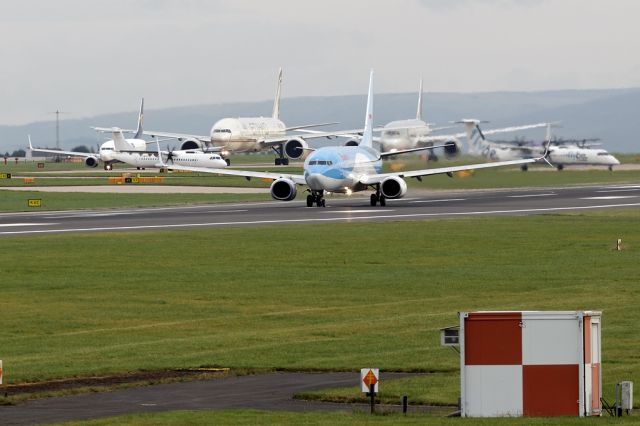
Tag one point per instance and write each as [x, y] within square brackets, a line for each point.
[547, 151]
[30, 146]
[162, 163]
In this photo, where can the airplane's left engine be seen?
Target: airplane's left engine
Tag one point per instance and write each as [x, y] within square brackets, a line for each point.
[393, 187]
[91, 162]
[191, 144]
[295, 148]
[283, 189]
[452, 149]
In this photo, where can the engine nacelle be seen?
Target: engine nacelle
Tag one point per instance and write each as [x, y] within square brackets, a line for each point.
[91, 162]
[451, 149]
[283, 189]
[393, 187]
[188, 144]
[352, 143]
[295, 148]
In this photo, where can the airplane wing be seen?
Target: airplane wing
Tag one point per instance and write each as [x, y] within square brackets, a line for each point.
[306, 126]
[178, 136]
[374, 179]
[56, 151]
[299, 179]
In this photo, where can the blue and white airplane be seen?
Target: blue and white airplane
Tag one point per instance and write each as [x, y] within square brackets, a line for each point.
[348, 169]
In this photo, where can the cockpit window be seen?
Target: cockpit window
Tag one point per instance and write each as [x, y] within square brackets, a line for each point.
[320, 162]
[603, 153]
[221, 130]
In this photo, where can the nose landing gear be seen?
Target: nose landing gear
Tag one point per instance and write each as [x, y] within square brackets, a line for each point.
[315, 198]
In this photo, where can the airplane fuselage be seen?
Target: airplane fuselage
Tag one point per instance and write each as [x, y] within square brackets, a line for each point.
[582, 156]
[182, 158]
[244, 134]
[340, 169]
[404, 134]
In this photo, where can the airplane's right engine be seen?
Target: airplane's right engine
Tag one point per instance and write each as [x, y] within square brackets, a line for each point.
[91, 162]
[188, 144]
[451, 149]
[295, 148]
[393, 187]
[351, 143]
[283, 189]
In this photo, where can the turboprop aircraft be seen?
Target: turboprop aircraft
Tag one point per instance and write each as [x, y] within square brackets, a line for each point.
[559, 156]
[134, 151]
[347, 169]
[250, 134]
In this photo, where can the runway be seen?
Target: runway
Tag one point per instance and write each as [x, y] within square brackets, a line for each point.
[416, 206]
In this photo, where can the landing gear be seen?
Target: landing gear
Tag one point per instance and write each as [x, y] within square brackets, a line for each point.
[378, 198]
[610, 168]
[524, 167]
[560, 167]
[227, 161]
[108, 166]
[281, 160]
[316, 198]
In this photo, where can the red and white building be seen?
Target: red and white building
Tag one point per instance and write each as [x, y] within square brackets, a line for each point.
[531, 363]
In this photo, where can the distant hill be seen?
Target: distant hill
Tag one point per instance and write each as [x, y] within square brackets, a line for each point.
[611, 115]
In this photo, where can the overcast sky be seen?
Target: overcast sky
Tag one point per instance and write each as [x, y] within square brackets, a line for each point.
[91, 57]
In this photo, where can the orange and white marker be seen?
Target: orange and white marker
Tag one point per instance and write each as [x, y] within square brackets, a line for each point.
[0, 371]
[368, 377]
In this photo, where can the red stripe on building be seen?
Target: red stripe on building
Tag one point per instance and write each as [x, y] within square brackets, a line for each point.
[587, 340]
[550, 390]
[493, 338]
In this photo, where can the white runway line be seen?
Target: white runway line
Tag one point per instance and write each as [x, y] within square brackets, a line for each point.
[8, 225]
[355, 211]
[620, 190]
[610, 197]
[311, 220]
[218, 211]
[531, 195]
[438, 201]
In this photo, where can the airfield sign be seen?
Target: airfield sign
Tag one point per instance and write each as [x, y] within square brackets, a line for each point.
[368, 377]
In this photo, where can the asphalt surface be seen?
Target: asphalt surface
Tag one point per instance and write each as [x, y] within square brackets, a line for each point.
[416, 206]
[261, 392]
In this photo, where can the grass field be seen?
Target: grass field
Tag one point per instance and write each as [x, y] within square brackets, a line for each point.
[333, 297]
[13, 201]
[250, 417]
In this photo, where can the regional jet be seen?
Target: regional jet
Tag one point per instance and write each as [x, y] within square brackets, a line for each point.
[134, 151]
[347, 169]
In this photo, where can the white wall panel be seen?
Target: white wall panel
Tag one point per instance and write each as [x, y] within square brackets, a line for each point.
[493, 390]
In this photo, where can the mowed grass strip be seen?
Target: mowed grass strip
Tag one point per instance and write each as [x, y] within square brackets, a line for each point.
[335, 297]
[16, 201]
[254, 417]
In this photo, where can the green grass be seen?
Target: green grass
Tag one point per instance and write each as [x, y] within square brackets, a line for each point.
[14, 201]
[252, 417]
[335, 297]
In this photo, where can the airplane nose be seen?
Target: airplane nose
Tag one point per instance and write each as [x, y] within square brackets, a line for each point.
[314, 181]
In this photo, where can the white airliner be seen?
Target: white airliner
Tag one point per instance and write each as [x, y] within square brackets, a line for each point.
[413, 133]
[134, 151]
[347, 169]
[560, 156]
[250, 134]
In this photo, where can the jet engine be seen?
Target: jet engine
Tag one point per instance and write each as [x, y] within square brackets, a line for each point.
[295, 148]
[283, 189]
[451, 149]
[352, 142]
[191, 144]
[393, 187]
[91, 162]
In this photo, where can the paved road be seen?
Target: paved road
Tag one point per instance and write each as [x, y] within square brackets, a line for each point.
[262, 392]
[425, 205]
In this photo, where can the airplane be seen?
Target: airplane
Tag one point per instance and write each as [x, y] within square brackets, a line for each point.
[105, 153]
[561, 156]
[134, 151]
[251, 134]
[348, 169]
[413, 133]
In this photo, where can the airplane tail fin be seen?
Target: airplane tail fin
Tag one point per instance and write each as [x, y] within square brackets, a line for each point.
[475, 137]
[419, 111]
[276, 100]
[140, 129]
[120, 143]
[30, 146]
[367, 135]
